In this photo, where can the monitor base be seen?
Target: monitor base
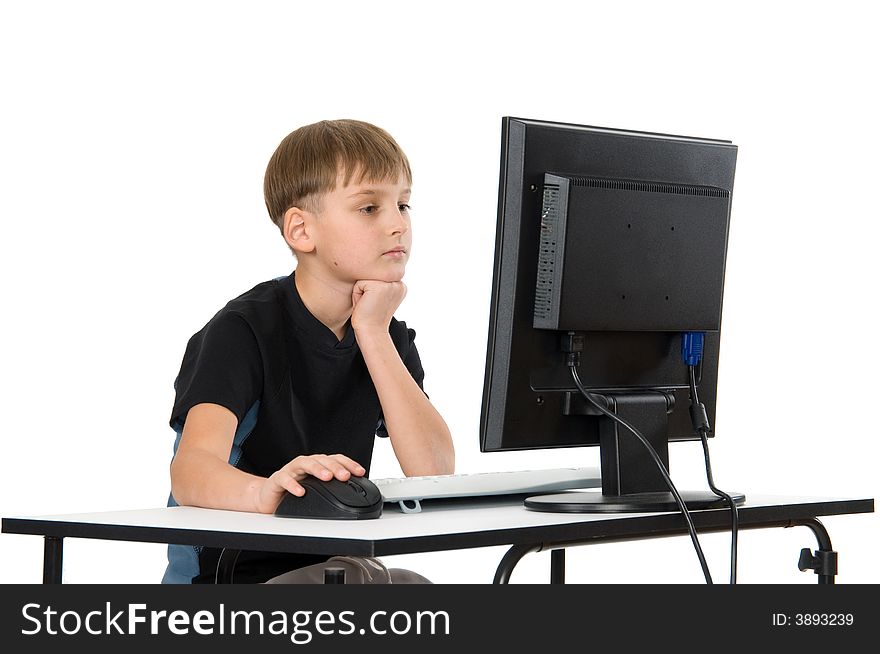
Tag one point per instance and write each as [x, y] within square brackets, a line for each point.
[596, 502]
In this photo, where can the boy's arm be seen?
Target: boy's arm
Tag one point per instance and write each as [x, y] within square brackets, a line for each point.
[202, 476]
[200, 472]
[419, 435]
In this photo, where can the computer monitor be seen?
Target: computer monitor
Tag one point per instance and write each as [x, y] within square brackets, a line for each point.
[614, 240]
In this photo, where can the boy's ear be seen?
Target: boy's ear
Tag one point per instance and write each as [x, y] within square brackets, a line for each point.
[296, 230]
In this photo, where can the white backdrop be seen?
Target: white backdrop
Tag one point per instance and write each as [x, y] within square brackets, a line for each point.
[133, 141]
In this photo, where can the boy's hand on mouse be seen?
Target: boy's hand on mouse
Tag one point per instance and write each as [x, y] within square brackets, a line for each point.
[286, 480]
[374, 303]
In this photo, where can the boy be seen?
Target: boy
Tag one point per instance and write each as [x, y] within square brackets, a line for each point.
[298, 375]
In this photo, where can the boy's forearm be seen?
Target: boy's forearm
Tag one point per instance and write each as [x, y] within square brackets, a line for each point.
[419, 435]
[198, 478]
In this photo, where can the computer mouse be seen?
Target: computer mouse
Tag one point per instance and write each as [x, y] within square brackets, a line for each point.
[355, 499]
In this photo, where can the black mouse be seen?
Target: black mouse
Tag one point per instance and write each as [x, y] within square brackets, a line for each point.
[355, 499]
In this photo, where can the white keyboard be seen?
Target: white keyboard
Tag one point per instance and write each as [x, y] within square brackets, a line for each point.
[409, 491]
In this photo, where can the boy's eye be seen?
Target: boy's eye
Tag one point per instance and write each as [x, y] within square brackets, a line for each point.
[371, 209]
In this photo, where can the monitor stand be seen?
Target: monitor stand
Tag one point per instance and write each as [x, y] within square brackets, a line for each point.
[631, 480]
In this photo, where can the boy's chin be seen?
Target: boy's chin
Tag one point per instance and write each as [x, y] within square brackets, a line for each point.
[377, 274]
[378, 278]
[389, 278]
[385, 275]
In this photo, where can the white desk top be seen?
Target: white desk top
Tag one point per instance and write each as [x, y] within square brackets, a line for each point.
[434, 520]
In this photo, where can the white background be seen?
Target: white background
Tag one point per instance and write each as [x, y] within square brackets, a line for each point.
[133, 141]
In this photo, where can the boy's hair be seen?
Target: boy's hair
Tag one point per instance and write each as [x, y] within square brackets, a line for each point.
[307, 162]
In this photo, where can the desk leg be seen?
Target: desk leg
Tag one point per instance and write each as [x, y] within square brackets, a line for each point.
[517, 552]
[509, 561]
[52, 556]
[557, 566]
[824, 563]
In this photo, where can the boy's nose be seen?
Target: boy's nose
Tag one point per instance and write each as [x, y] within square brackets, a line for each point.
[398, 225]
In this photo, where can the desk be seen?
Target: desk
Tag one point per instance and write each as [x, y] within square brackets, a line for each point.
[441, 525]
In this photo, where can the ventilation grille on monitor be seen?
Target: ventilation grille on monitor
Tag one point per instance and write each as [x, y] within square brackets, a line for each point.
[547, 252]
[652, 187]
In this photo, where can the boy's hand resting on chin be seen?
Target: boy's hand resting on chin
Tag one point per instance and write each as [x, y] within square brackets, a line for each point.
[373, 305]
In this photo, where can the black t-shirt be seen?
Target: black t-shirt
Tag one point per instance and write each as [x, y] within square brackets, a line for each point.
[294, 388]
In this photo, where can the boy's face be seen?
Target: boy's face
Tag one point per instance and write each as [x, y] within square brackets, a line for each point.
[362, 231]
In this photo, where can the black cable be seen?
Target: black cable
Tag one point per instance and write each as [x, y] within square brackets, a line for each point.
[734, 514]
[663, 471]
